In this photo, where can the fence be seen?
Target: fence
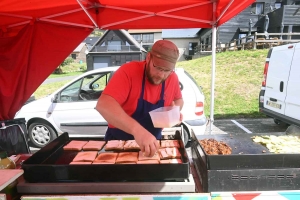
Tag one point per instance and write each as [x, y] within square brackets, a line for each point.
[256, 41]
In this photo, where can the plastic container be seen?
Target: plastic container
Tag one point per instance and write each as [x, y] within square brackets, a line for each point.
[6, 162]
[165, 117]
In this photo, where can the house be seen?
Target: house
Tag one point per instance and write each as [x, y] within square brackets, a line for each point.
[79, 54]
[146, 37]
[115, 47]
[185, 39]
[263, 16]
[90, 42]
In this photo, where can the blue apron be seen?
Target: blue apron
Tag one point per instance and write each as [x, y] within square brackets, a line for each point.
[141, 115]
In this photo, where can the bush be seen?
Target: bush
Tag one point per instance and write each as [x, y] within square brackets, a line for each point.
[66, 62]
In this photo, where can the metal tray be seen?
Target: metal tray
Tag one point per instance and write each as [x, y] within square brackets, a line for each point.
[246, 154]
[247, 168]
[51, 164]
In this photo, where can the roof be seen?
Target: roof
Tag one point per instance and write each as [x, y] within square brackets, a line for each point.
[79, 47]
[180, 33]
[125, 33]
[91, 40]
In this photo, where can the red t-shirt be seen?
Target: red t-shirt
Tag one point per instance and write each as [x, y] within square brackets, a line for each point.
[126, 85]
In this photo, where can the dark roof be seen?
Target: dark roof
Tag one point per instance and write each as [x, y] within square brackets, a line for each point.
[91, 40]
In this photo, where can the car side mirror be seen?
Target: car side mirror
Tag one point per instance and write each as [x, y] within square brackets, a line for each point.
[54, 99]
[95, 86]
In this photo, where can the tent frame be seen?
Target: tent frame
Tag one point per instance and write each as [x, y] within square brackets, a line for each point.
[219, 12]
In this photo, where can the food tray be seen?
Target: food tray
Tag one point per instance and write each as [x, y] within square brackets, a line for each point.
[247, 168]
[245, 154]
[51, 164]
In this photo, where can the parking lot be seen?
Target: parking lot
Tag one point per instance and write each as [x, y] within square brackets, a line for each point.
[246, 126]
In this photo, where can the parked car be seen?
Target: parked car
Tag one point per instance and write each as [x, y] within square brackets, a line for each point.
[72, 108]
[279, 97]
[30, 99]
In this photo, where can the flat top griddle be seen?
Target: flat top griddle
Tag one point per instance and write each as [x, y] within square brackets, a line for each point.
[246, 154]
[51, 164]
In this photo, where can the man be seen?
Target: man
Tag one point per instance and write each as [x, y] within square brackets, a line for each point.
[138, 88]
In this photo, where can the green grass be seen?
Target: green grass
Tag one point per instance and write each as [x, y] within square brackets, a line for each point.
[46, 89]
[73, 69]
[238, 80]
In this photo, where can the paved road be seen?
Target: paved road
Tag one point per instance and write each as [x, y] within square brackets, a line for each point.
[53, 80]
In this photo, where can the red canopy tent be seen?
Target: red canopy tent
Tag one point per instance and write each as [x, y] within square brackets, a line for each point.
[37, 35]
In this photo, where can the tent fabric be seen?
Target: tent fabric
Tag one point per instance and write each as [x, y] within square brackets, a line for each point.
[37, 35]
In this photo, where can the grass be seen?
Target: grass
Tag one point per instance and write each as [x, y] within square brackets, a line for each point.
[70, 70]
[47, 89]
[238, 80]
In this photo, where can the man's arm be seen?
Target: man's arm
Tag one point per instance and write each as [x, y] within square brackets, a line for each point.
[179, 102]
[114, 114]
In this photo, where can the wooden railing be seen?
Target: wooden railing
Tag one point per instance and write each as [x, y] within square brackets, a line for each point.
[255, 41]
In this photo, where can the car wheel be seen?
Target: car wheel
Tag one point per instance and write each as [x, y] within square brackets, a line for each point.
[277, 121]
[40, 134]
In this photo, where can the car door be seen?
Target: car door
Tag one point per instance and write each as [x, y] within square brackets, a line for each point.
[74, 111]
[277, 78]
[292, 100]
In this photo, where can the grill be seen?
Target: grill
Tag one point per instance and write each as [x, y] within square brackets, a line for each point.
[51, 164]
[247, 168]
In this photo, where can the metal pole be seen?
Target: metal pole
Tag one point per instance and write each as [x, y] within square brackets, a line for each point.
[213, 61]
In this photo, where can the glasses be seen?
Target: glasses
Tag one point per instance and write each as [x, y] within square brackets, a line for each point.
[166, 71]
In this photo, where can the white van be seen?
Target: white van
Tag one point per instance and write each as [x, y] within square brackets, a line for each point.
[279, 97]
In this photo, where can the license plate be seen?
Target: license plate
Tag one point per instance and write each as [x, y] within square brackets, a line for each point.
[273, 104]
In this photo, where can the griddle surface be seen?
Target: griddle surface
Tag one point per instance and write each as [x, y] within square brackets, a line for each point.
[51, 164]
[246, 154]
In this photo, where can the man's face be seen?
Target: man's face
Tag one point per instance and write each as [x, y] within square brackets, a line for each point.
[157, 74]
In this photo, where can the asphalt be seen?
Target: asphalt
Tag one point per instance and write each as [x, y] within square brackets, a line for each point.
[53, 80]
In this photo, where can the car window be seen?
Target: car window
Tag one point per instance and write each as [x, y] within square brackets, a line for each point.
[71, 92]
[101, 82]
[86, 89]
[93, 85]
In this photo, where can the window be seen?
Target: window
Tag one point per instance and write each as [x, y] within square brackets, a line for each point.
[242, 35]
[114, 46]
[148, 38]
[71, 93]
[95, 83]
[85, 89]
[257, 8]
[137, 37]
[73, 55]
[277, 5]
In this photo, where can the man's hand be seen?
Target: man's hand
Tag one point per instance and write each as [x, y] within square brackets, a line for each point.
[148, 143]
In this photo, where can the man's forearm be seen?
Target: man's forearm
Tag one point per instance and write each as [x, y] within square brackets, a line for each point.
[179, 102]
[113, 113]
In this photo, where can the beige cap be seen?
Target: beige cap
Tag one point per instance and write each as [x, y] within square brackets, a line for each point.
[164, 53]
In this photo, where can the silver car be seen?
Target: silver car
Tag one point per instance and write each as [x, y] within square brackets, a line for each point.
[72, 108]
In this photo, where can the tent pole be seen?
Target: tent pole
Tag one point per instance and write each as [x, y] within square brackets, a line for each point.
[213, 63]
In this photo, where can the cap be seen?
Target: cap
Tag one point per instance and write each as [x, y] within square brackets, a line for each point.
[164, 53]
